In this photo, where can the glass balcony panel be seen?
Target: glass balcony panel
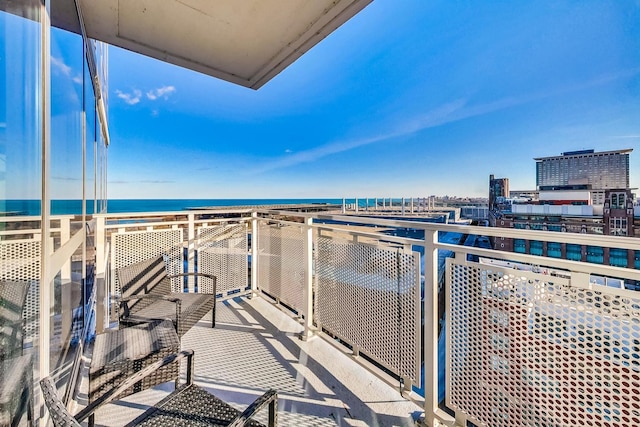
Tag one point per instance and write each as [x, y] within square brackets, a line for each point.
[20, 194]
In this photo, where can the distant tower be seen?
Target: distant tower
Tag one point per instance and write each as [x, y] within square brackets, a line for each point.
[498, 187]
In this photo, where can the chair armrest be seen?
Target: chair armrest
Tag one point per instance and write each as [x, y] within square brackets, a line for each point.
[210, 276]
[269, 398]
[138, 376]
[148, 296]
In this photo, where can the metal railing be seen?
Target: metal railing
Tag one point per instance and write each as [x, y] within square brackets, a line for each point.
[529, 340]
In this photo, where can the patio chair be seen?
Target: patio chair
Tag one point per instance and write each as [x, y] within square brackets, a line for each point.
[147, 296]
[119, 354]
[16, 394]
[187, 405]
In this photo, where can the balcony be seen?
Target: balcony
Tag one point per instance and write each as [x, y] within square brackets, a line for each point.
[355, 320]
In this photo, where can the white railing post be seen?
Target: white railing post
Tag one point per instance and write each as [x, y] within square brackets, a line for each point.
[356, 205]
[308, 278]
[254, 254]
[430, 326]
[402, 208]
[344, 205]
[191, 236]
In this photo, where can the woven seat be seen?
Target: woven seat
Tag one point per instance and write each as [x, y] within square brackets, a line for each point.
[147, 296]
[119, 354]
[187, 405]
[16, 370]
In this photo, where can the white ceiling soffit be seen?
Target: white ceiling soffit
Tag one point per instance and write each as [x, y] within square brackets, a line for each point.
[247, 42]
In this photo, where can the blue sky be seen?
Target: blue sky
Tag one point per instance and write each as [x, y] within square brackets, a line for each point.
[409, 98]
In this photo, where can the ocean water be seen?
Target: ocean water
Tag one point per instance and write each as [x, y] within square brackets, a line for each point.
[74, 207]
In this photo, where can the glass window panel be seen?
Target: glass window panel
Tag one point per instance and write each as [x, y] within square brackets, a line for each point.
[67, 65]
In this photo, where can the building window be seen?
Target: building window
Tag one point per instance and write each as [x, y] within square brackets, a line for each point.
[519, 246]
[535, 248]
[618, 257]
[618, 226]
[574, 252]
[595, 254]
[554, 250]
[618, 200]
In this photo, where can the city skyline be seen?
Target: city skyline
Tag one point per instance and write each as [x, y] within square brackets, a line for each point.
[407, 99]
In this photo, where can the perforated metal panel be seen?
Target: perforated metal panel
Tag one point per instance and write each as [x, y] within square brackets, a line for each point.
[222, 251]
[132, 247]
[369, 296]
[281, 263]
[20, 262]
[528, 349]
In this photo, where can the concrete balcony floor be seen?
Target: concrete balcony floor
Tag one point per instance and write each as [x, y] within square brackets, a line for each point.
[254, 347]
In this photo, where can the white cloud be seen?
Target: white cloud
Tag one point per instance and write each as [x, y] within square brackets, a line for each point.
[130, 98]
[78, 79]
[161, 92]
[59, 65]
[288, 151]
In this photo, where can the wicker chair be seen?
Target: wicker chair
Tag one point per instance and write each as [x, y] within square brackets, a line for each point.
[147, 296]
[187, 405]
[16, 378]
[119, 354]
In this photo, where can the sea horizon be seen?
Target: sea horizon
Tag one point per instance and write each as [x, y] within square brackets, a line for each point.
[31, 207]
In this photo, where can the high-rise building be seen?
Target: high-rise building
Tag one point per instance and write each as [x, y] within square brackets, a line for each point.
[498, 187]
[600, 171]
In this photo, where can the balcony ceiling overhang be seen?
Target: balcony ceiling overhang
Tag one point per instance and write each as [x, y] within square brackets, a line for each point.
[247, 42]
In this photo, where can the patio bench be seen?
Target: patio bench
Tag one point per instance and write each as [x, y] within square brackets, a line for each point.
[147, 296]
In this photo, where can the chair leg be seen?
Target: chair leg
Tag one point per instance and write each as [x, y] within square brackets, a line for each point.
[91, 421]
[273, 413]
[30, 408]
[213, 316]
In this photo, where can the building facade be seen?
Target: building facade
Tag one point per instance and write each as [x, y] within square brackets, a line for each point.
[583, 192]
[600, 171]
